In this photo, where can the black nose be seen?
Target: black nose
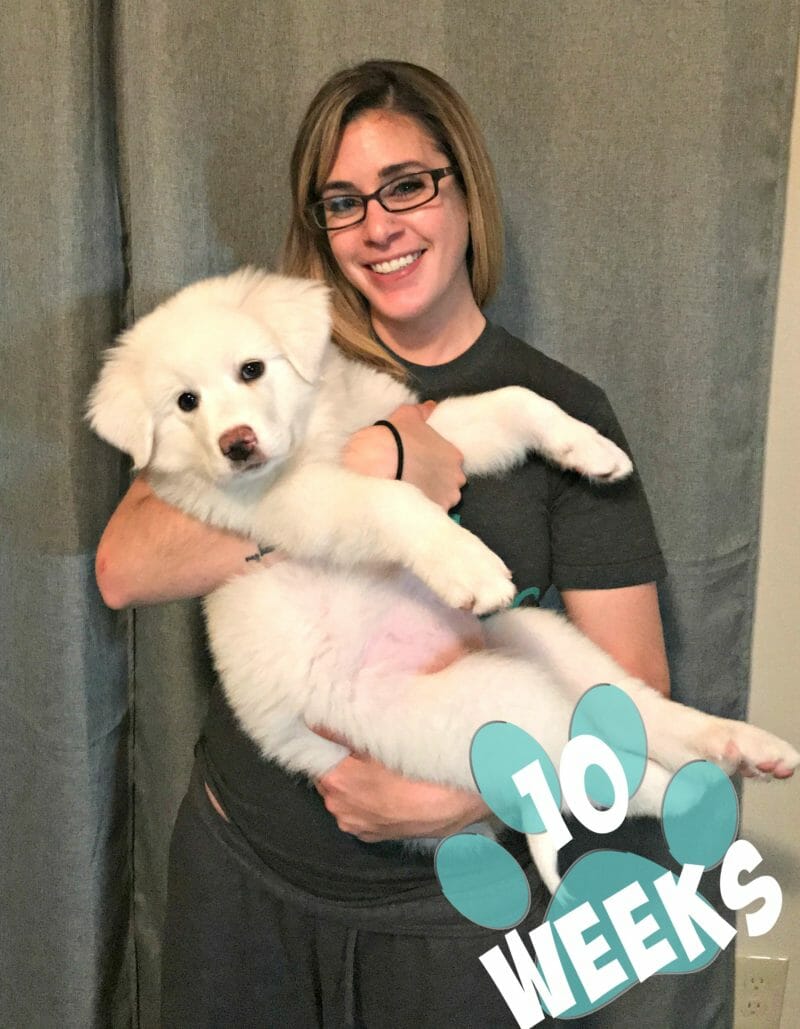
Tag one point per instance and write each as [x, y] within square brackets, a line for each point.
[238, 444]
[239, 451]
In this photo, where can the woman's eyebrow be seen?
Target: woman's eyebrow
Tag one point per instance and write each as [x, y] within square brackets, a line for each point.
[384, 173]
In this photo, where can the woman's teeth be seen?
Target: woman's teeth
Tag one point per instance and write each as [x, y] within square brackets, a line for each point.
[394, 266]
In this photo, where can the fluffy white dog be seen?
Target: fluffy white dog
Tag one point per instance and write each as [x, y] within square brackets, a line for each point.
[233, 399]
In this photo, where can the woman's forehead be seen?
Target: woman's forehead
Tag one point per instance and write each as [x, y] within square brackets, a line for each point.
[379, 145]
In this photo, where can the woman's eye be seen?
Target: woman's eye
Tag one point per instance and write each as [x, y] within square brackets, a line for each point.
[251, 370]
[188, 401]
[338, 207]
[406, 187]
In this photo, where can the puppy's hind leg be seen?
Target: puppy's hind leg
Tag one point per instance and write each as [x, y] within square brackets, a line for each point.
[422, 725]
[676, 733]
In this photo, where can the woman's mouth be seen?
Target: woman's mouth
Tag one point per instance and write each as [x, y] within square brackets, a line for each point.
[396, 264]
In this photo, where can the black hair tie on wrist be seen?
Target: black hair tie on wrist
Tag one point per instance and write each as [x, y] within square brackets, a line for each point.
[398, 440]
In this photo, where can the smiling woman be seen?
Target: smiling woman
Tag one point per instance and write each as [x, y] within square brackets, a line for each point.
[395, 207]
[301, 908]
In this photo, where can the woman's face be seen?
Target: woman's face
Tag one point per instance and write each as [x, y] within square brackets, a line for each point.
[431, 284]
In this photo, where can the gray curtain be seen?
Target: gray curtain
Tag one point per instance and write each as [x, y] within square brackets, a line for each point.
[65, 869]
[642, 152]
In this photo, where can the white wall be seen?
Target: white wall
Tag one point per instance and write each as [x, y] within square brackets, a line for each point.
[771, 818]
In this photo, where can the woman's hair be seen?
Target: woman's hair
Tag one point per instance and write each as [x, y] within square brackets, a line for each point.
[420, 94]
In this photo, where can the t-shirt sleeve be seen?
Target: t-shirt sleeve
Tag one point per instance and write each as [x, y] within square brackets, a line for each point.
[602, 536]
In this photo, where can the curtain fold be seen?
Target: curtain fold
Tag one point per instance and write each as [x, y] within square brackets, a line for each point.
[641, 150]
[65, 831]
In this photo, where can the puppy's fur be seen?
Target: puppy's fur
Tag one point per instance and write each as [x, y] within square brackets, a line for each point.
[233, 399]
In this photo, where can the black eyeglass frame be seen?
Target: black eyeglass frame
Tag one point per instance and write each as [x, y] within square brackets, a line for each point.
[317, 207]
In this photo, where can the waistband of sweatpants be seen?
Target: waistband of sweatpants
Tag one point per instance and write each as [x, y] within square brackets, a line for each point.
[429, 916]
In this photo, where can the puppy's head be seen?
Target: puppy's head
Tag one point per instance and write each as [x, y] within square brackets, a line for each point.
[217, 380]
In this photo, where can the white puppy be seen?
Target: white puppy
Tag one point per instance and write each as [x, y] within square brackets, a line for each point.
[233, 399]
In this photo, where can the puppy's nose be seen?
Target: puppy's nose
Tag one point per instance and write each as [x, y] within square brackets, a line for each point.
[238, 444]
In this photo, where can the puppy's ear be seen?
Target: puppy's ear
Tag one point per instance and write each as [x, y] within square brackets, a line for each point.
[297, 312]
[116, 409]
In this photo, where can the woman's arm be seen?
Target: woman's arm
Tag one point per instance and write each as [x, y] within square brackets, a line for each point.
[151, 552]
[374, 803]
[626, 623]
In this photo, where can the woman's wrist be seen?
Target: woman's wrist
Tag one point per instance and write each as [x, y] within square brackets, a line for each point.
[371, 451]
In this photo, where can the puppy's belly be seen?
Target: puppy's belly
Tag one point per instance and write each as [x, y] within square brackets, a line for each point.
[400, 625]
[345, 622]
[412, 637]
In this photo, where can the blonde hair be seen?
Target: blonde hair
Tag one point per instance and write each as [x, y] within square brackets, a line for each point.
[420, 94]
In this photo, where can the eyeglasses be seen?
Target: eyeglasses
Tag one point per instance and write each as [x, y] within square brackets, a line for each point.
[401, 194]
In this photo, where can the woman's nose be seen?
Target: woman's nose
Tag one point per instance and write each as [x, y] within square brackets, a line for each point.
[380, 225]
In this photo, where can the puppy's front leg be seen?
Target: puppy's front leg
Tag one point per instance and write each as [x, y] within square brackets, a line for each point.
[496, 430]
[327, 513]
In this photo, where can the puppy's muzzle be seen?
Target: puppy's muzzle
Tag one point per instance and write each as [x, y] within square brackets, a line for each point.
[240, 446]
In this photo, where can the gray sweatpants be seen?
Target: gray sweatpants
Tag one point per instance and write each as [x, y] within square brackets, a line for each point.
[246, 949]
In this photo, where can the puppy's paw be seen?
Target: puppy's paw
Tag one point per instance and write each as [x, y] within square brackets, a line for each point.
[756, 753]
[582, 449]
[465, 574]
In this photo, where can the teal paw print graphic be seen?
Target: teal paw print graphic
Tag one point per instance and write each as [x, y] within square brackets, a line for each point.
[615, 918]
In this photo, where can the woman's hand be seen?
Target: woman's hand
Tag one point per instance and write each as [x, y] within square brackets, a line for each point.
[373, 803]
[431, 463]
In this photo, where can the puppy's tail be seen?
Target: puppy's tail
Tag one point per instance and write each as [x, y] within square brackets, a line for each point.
[545, 858]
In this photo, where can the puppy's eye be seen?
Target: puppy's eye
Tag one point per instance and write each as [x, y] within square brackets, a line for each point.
[251, 370]
[188, 401]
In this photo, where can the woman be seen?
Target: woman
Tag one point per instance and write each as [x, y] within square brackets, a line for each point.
[289, 905]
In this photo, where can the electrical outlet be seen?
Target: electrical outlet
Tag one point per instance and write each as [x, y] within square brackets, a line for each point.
[760, 983]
